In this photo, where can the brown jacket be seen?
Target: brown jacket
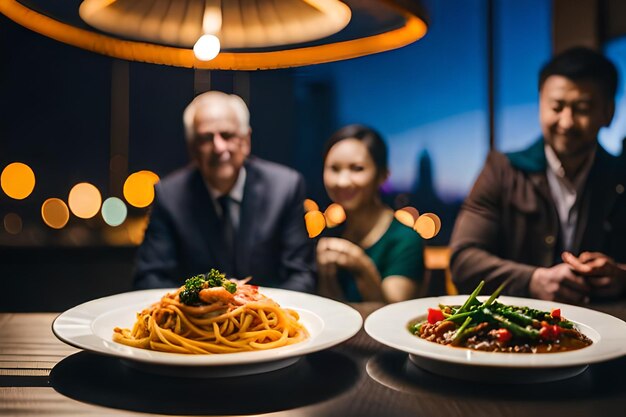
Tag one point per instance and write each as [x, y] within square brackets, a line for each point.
[508, 225]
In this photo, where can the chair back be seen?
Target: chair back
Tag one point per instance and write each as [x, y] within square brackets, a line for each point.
[437, 258]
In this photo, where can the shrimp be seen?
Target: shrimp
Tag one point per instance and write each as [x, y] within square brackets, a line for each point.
[213, 294]
[250, 293]
[245, 293]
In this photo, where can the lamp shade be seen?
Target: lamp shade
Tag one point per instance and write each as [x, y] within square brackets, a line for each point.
[254, 34]
[237, 23]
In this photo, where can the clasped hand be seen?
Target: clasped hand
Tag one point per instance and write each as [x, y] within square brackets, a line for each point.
[333, 252]
[578, 278]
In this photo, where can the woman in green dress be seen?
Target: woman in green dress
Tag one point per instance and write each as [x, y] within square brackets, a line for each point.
[374, 257]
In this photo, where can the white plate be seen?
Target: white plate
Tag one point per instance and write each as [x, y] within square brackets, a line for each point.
[389, 326]
[90, 326]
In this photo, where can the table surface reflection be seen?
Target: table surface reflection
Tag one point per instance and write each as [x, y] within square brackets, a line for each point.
[40, 375]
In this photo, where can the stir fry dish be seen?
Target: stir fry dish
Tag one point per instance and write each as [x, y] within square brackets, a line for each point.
[495, 327]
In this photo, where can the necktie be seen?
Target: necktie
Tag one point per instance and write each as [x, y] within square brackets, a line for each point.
[228, 234]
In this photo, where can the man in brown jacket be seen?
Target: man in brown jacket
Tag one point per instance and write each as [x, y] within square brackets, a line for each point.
[552, 218]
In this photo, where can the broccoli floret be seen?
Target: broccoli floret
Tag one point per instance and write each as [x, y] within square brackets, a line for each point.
[231, 287]
[195, 282]
[189, 297]
[193, 285]
[217, 279]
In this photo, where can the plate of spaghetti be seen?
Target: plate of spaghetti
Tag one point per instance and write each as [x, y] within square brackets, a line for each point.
[209, 326]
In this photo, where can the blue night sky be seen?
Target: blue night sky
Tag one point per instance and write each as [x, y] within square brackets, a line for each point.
[611, 137]
[437, 99]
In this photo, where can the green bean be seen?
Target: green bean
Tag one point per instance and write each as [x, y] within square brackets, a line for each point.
[455, 316]
[566, 324]
[497, 292]
[459, 333]
[516, 316]
[536, 314]
[471, 298]
[516, 329]
[415, 328]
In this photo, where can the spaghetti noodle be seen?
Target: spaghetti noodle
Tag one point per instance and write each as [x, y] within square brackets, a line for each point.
[215, 317]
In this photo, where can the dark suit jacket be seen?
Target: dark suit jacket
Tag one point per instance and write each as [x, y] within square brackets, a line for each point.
[509, 226]
[183, 237]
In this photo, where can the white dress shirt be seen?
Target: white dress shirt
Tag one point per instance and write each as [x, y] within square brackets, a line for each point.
[236, 195]
[566, 193]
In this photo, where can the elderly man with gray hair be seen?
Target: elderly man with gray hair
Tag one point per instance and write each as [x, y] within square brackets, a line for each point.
[228, 210]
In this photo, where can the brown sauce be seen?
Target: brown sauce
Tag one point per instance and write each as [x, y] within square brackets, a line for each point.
[443, 332]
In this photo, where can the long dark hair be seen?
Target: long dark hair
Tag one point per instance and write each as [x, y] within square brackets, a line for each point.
[372, 140]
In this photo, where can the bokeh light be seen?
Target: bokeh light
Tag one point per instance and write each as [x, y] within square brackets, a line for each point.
[17, 180]
[407, 216]
[154, 177]
[436, 220]
[114, 211]
[310, 205]
[85, 200]
[315, 222]
[335, 215]
[139, 188]
[12, 223]
[55, 213]
[428, 225]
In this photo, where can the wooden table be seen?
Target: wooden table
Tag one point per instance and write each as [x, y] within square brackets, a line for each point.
[41, 376]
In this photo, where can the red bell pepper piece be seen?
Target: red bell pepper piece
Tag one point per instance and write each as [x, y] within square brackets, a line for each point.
[435, 315]
[549, 331]
[503, 335]
[556, 313]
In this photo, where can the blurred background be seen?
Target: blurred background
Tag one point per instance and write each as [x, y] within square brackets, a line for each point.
[113, 127]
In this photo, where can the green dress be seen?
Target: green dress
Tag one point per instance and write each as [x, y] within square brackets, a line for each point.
[399, 251]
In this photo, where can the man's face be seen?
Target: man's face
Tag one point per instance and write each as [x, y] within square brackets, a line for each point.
[571, 113]
[219, 147]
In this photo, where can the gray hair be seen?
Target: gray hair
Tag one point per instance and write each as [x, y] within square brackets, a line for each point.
[216, 98]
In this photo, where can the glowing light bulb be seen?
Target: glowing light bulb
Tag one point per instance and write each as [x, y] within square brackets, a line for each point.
[207, 47]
